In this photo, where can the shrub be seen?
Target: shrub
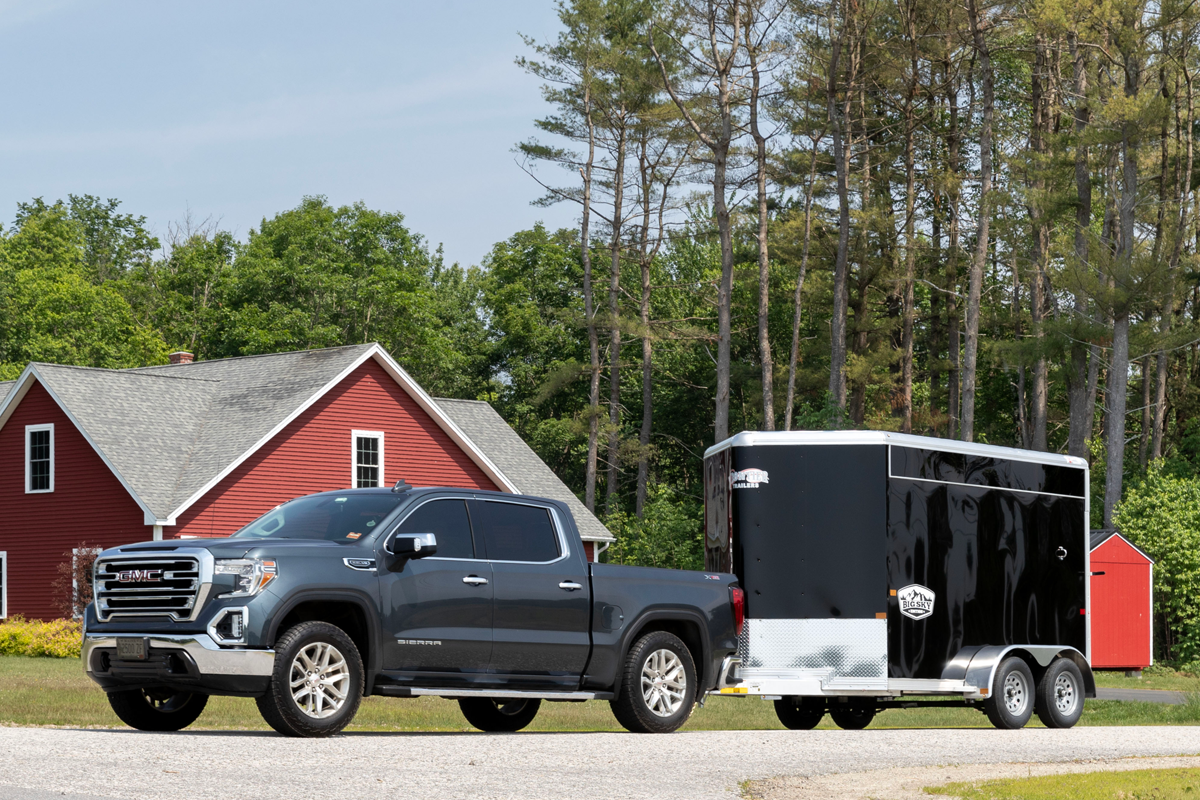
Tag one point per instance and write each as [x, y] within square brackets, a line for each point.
[671, 534]
[58, 638]
[1161, 515]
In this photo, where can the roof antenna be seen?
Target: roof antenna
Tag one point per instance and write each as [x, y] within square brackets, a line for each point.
[401, 486]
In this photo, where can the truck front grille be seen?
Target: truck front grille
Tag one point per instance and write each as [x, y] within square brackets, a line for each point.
[141, 586]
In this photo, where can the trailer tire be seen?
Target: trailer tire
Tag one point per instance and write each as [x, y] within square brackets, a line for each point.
[800, 713]
[159, 710]
[650, 685]
[1012, 700]
[1059, 700]
[313, 659]
[852, 716]
[498, 716]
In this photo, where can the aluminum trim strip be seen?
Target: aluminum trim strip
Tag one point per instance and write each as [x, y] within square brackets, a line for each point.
[502, 694]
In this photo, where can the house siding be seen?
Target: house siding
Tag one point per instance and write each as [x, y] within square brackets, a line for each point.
[88, 506]
[1121, 607]
[313, 454]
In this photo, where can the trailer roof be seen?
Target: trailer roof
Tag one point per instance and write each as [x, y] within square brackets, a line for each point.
[760, 438]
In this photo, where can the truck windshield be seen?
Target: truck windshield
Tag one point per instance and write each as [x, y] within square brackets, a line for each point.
[334, 518]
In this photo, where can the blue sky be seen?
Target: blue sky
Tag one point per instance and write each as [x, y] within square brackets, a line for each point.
[236, 110]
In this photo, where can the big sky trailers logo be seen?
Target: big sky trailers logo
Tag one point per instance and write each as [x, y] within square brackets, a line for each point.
[916, 601]
[748, 478]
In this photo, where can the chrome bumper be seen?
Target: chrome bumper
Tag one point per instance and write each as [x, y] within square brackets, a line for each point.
[210, 659]
[730, 673]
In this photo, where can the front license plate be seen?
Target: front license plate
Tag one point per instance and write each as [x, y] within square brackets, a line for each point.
[129, 649]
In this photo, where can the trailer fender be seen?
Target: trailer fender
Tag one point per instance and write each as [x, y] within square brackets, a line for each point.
[977, 665]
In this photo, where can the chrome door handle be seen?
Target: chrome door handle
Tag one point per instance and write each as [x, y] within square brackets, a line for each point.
[475, 580]
[570, 586]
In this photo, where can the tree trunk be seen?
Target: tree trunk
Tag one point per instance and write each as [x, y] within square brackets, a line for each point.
[643, 476]
[953, 321]
[589, 312]
[612, 493]
[975, 279]
[1080, 403]
[1039, 129]
[794, 356]
[764, 256]
[841, 155]
[910, 245]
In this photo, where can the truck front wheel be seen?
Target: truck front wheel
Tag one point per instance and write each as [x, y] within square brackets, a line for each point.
[1011, 703]
[317, 682]
[658, 686]
[499, 716]
[157, 709]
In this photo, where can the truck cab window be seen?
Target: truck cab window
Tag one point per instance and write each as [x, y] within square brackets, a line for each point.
[517, 533]
[446, 519]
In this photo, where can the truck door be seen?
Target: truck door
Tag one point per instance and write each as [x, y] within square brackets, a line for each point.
[540, 633]
[437, 610]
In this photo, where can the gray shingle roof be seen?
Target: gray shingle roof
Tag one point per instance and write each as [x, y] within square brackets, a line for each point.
[170, 430]
[508, 451]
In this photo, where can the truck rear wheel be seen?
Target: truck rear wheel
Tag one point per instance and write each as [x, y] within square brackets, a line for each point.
[658, 686]
[499, 716]
[800, 713]
[157, 709]
[1059, 699]
[317, 682]
[852, 716]
[1011, 703]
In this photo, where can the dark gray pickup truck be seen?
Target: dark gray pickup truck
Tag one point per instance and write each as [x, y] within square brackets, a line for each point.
[480, 596]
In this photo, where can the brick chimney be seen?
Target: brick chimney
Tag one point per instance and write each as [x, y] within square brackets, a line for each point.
[181, 357]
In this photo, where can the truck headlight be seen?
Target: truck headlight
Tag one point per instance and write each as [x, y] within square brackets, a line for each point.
[252, 575]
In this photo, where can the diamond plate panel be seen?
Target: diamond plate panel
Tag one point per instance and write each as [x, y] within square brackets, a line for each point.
[846, 648]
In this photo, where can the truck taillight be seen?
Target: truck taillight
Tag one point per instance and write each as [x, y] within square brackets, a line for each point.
[738, 598]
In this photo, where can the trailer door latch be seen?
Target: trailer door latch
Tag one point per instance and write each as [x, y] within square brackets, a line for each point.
[1061, 553]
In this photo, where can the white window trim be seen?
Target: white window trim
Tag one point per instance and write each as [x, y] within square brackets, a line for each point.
[28, 477]
[3, 584]
[354, 437]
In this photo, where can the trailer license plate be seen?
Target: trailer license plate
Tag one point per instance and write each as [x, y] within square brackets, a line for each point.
[130, 649]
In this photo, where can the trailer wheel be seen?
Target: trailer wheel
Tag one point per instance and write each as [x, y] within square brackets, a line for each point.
[658, 688]
[157, 709]
[1059, 700]
[499, 716]
[852, 716]
[1012, 700]
[800, 713]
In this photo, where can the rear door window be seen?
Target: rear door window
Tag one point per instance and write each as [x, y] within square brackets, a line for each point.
[448, 521]
[517, 532]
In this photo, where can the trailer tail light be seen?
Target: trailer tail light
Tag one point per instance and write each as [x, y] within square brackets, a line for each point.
[738, 598]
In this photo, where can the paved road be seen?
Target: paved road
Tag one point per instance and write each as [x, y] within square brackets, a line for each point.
[40, 763]
[1142, 696]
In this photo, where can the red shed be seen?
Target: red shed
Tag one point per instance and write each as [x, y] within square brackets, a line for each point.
[1122, 604]
[108, 457]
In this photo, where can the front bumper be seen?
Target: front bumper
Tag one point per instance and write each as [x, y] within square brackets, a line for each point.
[190, 662]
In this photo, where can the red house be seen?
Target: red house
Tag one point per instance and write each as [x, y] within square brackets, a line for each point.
[1122, 603]
[108, 457]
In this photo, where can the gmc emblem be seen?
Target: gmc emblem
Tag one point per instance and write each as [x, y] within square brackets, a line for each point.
[140, 576]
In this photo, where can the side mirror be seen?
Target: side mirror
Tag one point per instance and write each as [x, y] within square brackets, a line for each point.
[413, 545]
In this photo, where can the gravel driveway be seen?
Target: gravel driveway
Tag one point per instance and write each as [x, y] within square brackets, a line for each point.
[40, 763]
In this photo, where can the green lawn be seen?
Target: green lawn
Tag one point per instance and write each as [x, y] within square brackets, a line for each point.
[1146, 784]
[1154, 678]
[49, 691]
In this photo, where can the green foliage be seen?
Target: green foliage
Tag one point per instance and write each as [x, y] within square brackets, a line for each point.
[669, 535]
[58, 638]
[1161, 514]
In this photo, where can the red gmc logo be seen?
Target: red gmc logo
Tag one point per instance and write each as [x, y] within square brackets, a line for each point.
[140, 576]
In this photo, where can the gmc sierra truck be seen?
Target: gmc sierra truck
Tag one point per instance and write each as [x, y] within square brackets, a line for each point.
[480, 596]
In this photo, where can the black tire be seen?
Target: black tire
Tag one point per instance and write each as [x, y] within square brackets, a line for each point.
[800, 713]
[296, 650]
[499, 716]
[852, 716]
[1012, 696]
[653, 677]
[157, 709]
[1059, 699]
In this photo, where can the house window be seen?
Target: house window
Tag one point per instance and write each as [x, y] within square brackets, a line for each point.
[3, 584]
[368, 458]
[39, 458]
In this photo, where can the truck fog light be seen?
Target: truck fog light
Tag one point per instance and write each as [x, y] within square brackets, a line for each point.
[229, 626]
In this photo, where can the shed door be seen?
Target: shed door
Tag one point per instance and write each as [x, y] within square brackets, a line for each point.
[1121, 616]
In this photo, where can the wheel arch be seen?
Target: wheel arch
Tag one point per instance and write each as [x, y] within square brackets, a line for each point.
[684, 623]
[983, 662]
[347, 610]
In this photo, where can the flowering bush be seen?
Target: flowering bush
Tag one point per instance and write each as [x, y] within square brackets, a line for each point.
[58, 638]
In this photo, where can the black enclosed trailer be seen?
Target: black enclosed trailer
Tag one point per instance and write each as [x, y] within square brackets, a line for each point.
[881, 569]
